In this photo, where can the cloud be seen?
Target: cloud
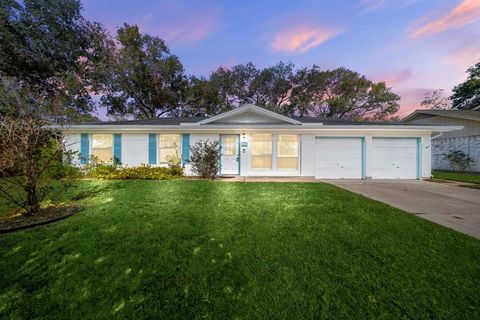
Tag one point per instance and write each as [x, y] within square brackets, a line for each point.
[466, 54]
[302, 38]
[393, 78]
[466, 12]
[180, 24]
[410, 100]
[373, 5]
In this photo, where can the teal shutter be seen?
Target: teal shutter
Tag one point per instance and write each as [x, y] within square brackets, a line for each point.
[152, 148]
[84, 148]
[419, 158]
[117, 148]
[185, 148]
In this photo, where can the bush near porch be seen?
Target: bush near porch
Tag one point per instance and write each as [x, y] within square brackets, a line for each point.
[218, 250]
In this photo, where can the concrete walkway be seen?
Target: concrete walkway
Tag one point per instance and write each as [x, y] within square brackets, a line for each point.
[447, 204]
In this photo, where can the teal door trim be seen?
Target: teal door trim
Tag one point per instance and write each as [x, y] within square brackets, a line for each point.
[220, 153]
[419, 158]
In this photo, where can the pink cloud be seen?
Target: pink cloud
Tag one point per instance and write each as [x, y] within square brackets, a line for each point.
[191, 29]
[465, 55]
[410, 100]
[466, 12]
[393, 78]
[302, 38]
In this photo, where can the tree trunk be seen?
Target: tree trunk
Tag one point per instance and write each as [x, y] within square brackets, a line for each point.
[33, 206]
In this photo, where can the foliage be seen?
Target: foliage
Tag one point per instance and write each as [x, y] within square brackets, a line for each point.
[458, 160]
[204, 158]
[175, 165]
[338, 93]
[32, 158]
[466, 95]
[436, 100]
[182, 249]
[53, 55]
[116, 172]
[145, 80]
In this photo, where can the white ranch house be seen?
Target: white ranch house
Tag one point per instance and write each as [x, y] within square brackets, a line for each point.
[257, 142]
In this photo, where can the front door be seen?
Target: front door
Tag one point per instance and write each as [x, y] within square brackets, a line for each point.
[229, 154]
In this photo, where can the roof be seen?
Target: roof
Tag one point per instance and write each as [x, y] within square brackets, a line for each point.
[249, 117]
[459, 114]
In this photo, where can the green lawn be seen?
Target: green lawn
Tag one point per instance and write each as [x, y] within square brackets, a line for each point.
[457, 176]
[222, 250]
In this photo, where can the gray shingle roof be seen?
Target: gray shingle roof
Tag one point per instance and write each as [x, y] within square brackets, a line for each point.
[177, 121]
[460, 114]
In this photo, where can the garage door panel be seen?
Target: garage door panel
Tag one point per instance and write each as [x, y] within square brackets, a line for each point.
[338, 158]
[394, 158]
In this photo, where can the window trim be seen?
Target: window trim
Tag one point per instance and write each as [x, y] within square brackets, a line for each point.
[90, 138]
[159, 147]
[272, 168]
[296, 156]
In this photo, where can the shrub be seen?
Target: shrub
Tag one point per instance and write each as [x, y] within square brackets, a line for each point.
[115, 172]
[31, 159]
[205, 159]
[458, 159]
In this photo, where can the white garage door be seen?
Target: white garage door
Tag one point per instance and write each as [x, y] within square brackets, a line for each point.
[338, 158]
[394, 158]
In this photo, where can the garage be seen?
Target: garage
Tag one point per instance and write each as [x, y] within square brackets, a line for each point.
[339, 158]
[395, 158]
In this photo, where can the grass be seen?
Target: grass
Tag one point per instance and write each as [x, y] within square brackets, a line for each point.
[457, 176]
[221, 250]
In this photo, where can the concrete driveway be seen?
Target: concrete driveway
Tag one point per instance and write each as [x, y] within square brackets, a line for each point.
[446, 204]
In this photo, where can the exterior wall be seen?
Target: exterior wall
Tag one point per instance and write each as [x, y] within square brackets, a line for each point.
[72, 143]
[469, 145]
[470, 127]
[135, 149]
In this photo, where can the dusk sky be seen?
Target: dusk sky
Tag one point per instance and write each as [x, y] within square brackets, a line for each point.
[414, 46]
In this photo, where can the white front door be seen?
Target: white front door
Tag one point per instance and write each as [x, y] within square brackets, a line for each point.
[338, 158]
[394, 158]
[229, 156]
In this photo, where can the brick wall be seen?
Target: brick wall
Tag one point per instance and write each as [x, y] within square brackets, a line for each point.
[469, 145]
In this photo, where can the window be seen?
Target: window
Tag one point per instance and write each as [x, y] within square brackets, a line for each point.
[102, 147]
[229, 146]
[262, 151]
[169, 147]
[287, 152]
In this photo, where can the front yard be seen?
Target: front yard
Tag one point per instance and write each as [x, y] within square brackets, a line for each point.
[200, 249]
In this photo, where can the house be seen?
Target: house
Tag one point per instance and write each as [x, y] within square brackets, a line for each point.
[258, 142]
[466, 139]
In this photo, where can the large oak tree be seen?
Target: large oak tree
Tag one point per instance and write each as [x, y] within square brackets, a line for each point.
[54, 55]
[145, 80]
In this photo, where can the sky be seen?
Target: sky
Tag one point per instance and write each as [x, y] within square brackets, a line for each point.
[415, 46]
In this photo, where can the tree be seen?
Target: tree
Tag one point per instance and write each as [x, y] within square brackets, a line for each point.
[245, 84]
[202, 98]
[436, 100]
[466, 95]
[31, 153]
[57, 55]
[342, 93]
[145, 79]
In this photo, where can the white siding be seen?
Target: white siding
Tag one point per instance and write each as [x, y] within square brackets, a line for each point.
[307, 155]
[72, 143]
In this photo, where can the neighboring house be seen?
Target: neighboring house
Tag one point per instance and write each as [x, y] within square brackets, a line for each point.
[258, 142]
[466, 140]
